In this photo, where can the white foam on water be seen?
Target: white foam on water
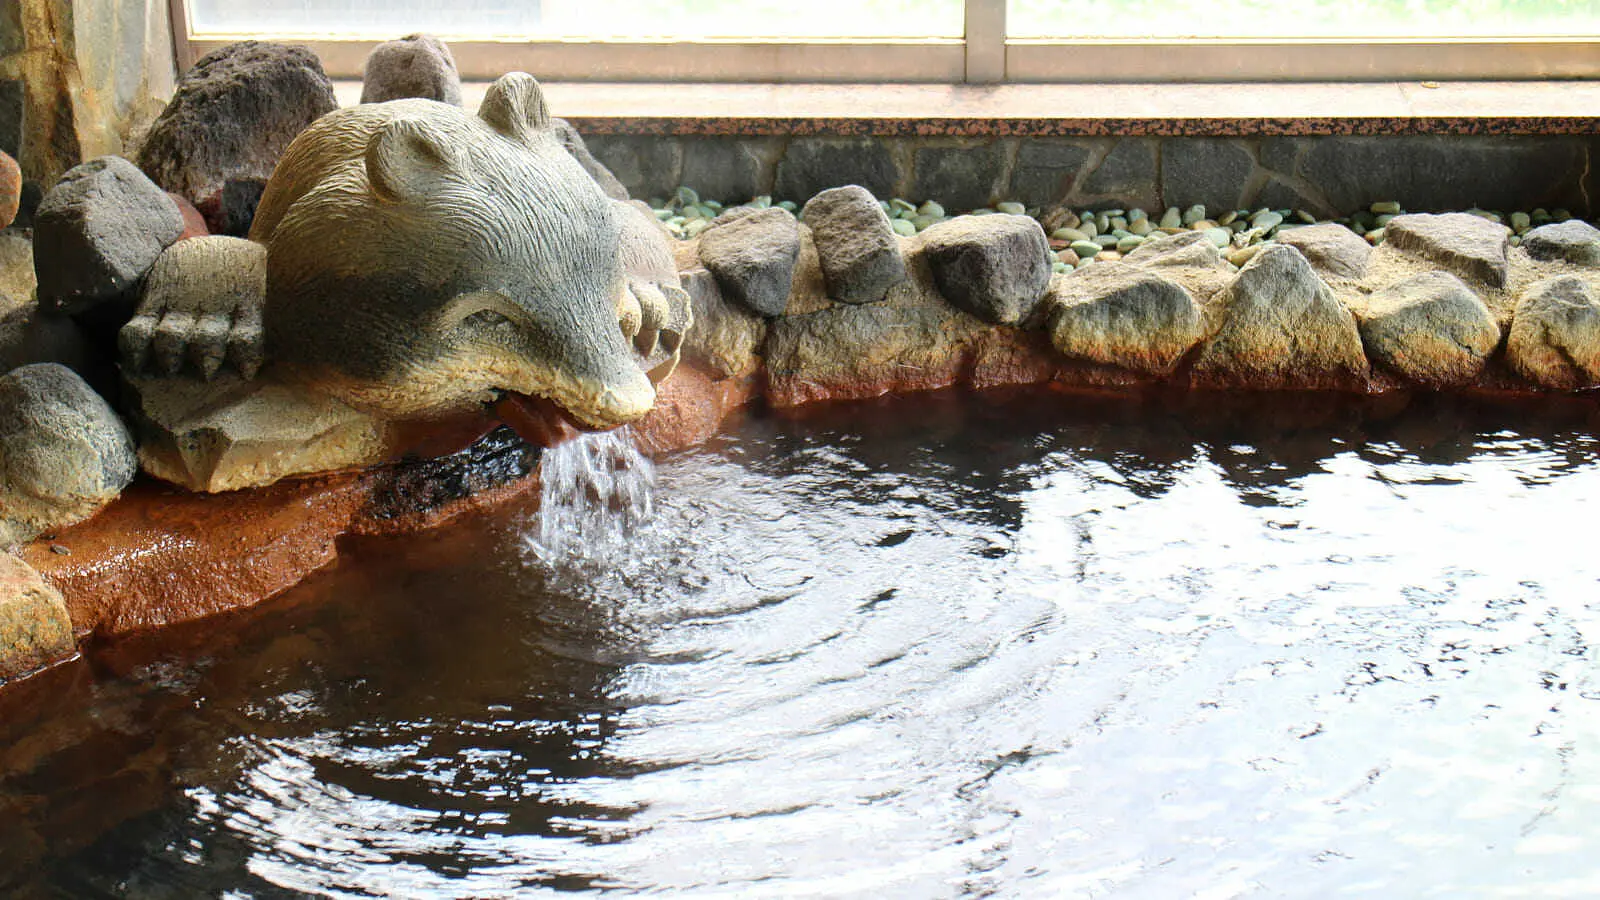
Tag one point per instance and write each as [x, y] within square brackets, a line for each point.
[597, 495]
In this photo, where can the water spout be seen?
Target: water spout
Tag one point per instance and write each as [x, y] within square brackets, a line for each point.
[597, 494]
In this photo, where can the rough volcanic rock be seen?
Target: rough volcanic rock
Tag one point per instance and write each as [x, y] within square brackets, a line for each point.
[753, 257]
[1279, 326]
[63, 452]
[1332, 249]
[1429, 329]
[1192, 248]
[859, 251]
[10, 189]
[1574, 241]
[97, 232]
[34, 628]
[1555, 333]
[1471, 247]
[232, 116]
[417, 65]
[1115, 314]
[995, 267]
[573, 141]
[725, 336]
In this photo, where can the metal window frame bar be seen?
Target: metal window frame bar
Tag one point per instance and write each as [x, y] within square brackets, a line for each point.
[983, 56]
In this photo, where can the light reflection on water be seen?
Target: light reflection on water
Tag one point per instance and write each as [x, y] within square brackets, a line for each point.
[938, 647]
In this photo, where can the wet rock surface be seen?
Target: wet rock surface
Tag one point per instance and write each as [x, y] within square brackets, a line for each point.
[858, 250]
[417, 65]
[63, 453]
[233, 115]
[995, 267]
[752, 257]
[96, 234]
[1574, 241]
[1473, 248]
[1555, 333]
[1430, 330]
[1116, 314]
[34, 628]
[29, 335]
[1279, 326]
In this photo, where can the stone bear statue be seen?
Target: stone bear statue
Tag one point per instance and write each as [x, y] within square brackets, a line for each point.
[407, 261]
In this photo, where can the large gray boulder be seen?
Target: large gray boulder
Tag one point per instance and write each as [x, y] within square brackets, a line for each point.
[1555, 333]
[753, 257]
[1430, 330]
[857, 247]
[1279, 326]
[232, 117]
[96, 234]
[1116, 314]
[417, 65]
[1574, 241]
[1467, 245]
[63, 453]
[995, 267]
[1332, 249]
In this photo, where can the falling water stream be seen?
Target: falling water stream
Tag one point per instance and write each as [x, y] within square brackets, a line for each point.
[596, 493]
[1015, 645]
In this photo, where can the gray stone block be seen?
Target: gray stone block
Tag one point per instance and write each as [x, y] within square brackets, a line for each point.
[1127, 174]
[960, 178]
[858, 251]
[647, 165]
[1047, 170]
[814, 164]
[1446, 172]
[994, 267]
[732, 171]
[1209, 171]
[97, 232]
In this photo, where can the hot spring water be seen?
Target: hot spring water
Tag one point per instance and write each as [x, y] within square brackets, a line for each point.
[945, 646]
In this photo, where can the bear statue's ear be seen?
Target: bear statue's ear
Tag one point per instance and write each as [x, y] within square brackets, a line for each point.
[409, 159]
[514, 106]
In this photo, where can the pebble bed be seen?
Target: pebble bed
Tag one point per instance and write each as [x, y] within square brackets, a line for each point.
[1081, 237]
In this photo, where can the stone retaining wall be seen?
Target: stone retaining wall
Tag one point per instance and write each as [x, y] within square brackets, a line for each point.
[1327, 175]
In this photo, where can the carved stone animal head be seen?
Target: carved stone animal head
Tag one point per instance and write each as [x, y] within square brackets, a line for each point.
[421, 258]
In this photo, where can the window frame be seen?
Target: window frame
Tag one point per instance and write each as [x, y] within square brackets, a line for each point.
[985, 55]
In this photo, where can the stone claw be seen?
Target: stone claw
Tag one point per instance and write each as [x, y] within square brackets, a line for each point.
[200, 311]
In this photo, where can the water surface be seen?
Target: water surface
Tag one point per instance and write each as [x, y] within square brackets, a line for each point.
[1017, 645]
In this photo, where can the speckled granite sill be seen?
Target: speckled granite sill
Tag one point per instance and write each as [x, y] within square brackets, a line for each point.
[1170, 110]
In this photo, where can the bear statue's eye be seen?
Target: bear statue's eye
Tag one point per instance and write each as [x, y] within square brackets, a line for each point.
[482, 309]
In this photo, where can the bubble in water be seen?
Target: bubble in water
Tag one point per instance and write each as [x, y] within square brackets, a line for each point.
[597, 494]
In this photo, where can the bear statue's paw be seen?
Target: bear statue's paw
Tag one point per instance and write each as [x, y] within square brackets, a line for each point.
[655, 317]
[200, 311]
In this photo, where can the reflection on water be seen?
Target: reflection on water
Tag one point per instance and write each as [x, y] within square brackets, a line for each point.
[993, 645]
